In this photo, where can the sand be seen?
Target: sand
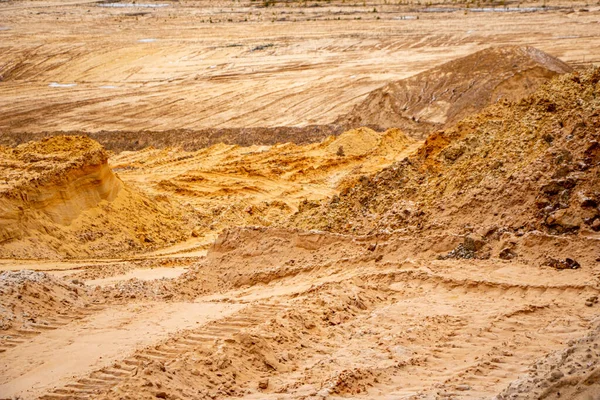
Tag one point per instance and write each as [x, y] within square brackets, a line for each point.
[340, 321]
[144, 274]
[442, 96]
[96, 342]
[61, 199]
[196, 258]
[199, 74]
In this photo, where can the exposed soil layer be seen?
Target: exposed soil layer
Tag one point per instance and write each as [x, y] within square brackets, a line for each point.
[188, 140]
[59, 198]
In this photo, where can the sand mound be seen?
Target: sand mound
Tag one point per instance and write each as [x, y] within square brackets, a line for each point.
[355, 142]
[364, 141]
[31, 302]
[28, 296]
[443, 95]
[518, 167]
[259, 185]
[571, 373]
[60, 198]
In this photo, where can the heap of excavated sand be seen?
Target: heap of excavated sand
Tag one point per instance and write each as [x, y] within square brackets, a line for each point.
[527, 166]
[231, 185]
[29, 297]
[364, 141]
[60, 198]
[443, 95]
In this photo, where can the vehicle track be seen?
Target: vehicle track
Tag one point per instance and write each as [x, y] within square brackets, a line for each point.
[189, 340]
[22, 335]
[487, 331]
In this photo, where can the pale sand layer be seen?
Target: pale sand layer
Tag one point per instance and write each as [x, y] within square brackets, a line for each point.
[199, 74]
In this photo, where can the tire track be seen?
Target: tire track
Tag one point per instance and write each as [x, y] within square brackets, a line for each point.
[30, 330]
[106, 378]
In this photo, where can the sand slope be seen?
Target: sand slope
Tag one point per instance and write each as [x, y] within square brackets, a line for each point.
[443, 95]
[230, 185]
[524, 166]
[60, 198]
[193, 65]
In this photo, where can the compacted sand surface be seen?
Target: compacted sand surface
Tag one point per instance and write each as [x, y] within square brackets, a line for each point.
[317, 315]
[205, 64]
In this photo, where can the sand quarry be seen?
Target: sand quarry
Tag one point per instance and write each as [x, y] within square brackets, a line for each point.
[299, 199]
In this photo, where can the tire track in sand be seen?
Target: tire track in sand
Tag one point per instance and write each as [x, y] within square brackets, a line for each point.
[105, 378]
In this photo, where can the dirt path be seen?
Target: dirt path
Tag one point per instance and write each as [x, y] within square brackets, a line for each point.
[191, 248]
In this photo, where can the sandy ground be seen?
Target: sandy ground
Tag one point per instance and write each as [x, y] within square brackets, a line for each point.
[97, 342]
[274, 313]
[79, 66]
[228, 185]
[395, 328]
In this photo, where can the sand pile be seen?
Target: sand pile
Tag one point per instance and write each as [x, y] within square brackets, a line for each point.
[356, 142]
[59, 198]
[260, 255]
[443, 95]
[259, 185]
[571, 373]
[516, 167]
[363, 142]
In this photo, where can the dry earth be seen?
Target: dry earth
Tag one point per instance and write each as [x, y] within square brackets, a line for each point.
[234, 242]
[442, 96]
[305, 315]
[259, 185]
[85, 66]
[60, 198]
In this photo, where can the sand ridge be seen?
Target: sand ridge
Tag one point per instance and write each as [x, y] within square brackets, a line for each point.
[442, 96]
